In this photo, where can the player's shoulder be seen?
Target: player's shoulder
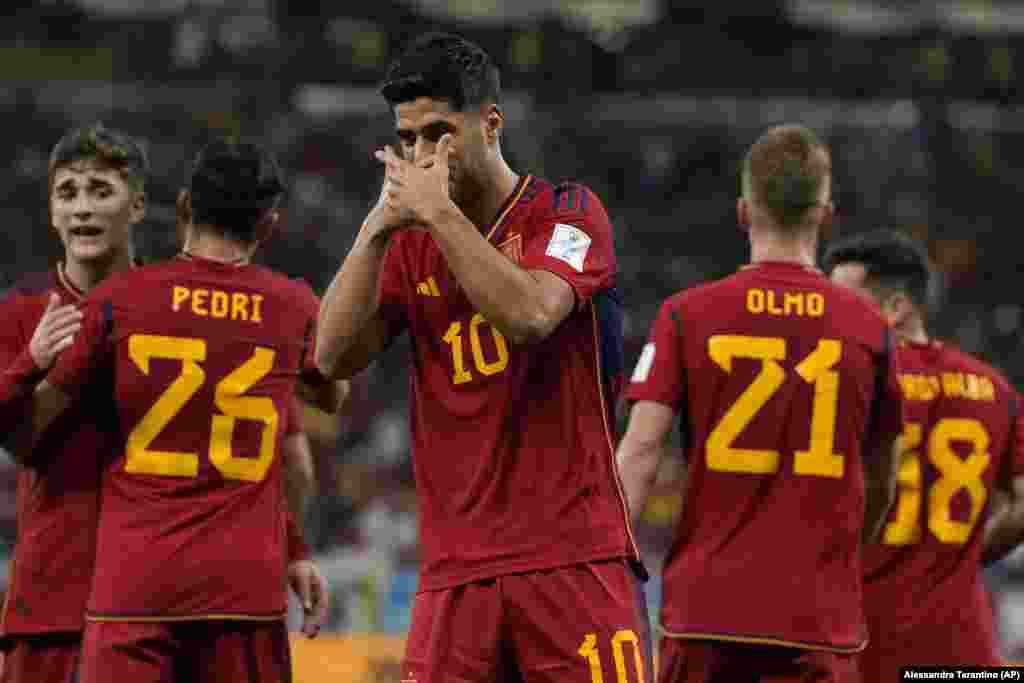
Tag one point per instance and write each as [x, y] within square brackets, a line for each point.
[954, 358]
[564, 199]
[292, 290]
[130, 283]
[33, 284]
[31, 288]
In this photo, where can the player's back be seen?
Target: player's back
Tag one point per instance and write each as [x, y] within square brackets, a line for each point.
[782, 368]
[923, 591]
[204, 357]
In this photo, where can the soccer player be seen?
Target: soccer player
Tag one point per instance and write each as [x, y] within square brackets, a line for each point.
[779, 377]
[506, 285]
[201, 353]
[963, 440]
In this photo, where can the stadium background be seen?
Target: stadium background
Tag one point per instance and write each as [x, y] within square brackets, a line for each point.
[650, 102]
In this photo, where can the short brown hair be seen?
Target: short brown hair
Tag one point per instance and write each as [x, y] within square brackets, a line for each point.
[108, 147]
[785, 171]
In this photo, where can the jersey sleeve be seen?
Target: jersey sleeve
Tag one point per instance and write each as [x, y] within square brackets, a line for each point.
[390, 289]
[19, 373]
[574, 241]
[660, 373]
[77, 365]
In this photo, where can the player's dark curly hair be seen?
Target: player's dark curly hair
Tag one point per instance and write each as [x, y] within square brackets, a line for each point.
[894, 263]
[108, 147]
[442, 66]
[232, 186]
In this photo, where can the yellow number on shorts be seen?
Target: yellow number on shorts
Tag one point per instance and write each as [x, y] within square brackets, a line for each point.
[956, 474]
[817, 369]
[453, 337]
[588, 650]
[228, 397]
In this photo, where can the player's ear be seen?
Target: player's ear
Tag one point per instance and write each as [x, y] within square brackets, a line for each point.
[492, 120]
[266, 225]
[183, 209]
[138, 211]
[896, 309]
[743, 213]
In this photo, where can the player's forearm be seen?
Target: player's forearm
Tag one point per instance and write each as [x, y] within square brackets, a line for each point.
[508, 296]
[638, 467]
[1005, 528]
[880, 475]
[349, 304]
[17, 384]
[300, 478]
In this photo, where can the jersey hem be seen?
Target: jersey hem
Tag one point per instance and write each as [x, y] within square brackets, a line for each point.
[213, 616]
[523, 568]
[763, 640]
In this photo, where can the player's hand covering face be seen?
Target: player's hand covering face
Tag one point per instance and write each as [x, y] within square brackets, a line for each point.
[417, 191]
[93, 209]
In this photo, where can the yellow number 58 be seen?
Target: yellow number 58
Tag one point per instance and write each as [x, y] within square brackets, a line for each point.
[228, 397]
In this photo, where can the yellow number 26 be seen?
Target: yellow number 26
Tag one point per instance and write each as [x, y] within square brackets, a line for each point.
[228, 397]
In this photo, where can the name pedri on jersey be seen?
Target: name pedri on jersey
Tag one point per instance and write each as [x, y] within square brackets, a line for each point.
[203, 357]
[512, 445]
[778, 376]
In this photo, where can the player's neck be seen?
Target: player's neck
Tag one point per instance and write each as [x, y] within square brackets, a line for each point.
[913, 331]
[85, 275]
[206, 244]
[767, 245]
[501, 186]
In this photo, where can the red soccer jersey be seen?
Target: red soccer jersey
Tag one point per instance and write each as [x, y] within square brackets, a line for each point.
[776, 373]
[923, 590]
[203, 357]
[58, 498]
[512, 445]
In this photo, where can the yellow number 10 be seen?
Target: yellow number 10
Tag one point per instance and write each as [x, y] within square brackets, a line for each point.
[816, 369]
[589, 651]
[453, 337]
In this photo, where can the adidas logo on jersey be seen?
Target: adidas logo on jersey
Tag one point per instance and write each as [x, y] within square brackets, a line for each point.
[428, 288]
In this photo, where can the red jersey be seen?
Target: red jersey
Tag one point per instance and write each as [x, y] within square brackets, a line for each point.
[778, 375]
[512, 445]
[203, 357]
[58, 498]
[923, 588]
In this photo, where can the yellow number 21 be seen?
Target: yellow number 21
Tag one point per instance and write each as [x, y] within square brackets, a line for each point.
[816, 369]
[229, 399]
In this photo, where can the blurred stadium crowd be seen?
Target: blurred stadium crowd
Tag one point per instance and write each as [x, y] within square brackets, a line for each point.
[650, 102]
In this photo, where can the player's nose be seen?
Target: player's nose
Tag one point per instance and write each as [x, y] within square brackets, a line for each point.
[423, 149]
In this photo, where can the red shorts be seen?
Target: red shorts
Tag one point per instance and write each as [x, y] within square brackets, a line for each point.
[584, 623]
[44, 658]
[192, 651]
[709, 661]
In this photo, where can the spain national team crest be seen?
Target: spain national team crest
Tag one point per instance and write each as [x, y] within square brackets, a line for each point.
[512, 248]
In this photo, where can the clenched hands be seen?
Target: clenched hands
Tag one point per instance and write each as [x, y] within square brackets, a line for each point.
[416, 192]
